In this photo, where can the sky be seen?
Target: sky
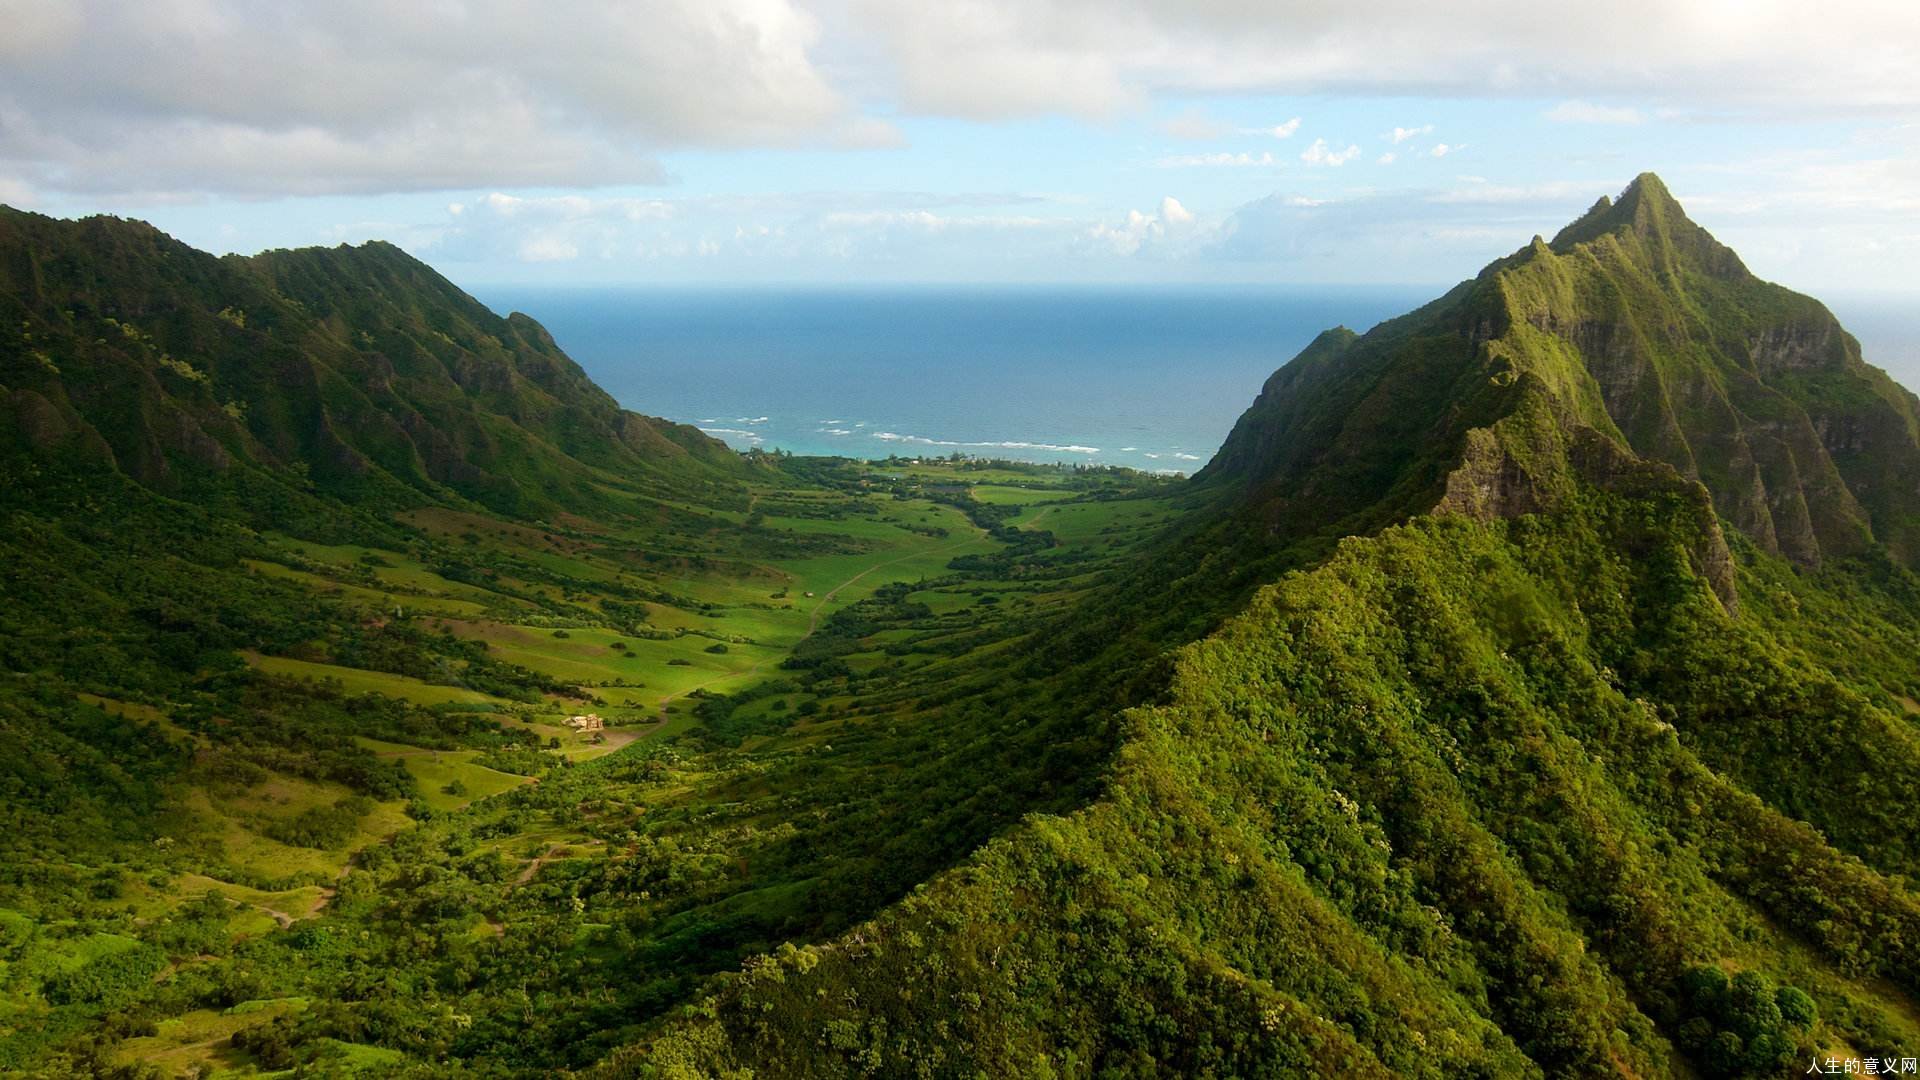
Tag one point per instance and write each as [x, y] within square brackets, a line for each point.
[867, 141]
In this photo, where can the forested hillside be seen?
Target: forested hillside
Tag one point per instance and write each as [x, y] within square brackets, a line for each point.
[1589, 751]
[313, 572]
[1527, 688]
[354, 373]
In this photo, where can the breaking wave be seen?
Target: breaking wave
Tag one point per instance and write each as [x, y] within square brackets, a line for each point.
[921, 440]
[738, 433]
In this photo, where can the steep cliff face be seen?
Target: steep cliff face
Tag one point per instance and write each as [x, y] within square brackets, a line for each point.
[1633, 326]
[358, 371]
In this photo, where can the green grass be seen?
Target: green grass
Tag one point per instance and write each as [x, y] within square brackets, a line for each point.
[358, 1057]
[233, 825]
[74, 953]
[256, 906]
[1083, 524]
[198, 1039]
[1001, 495]
[357, 681]
[375, 599]
[586, 654]
[434, 770]
[857, 576]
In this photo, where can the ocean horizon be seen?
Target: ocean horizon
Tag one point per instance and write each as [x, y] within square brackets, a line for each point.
[1148, 377]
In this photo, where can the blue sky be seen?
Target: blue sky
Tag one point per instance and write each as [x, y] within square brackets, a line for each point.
[704, 141]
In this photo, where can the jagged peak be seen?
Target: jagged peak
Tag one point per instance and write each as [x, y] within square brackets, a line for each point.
[1631, 307]
[1650, 189]
[1648, 209]
[1644, 204]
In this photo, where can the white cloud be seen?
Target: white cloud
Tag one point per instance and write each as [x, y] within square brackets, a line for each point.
[355, 96]
[1400, 134]
[1195, 125]
[1218, 160]
[994, 58]
[769, 236]
[987, 59]
[928, 221]
[1387, 158]
[1877, 188]
[1442, 149]
[1838, 208]
[176, 98]
[1173, 227]
[1582, 112]
[547, 247]
[1125, 239]
[1385, 237]
[1321, 154]
[1556, 192]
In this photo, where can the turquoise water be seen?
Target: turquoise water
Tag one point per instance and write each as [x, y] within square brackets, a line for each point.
[1151, 378]
[1148, 378]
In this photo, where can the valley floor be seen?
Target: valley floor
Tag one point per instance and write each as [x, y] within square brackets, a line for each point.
[717, 646]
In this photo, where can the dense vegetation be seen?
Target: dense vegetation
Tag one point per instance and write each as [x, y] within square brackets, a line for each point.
[1528, 688]
[1465, 800]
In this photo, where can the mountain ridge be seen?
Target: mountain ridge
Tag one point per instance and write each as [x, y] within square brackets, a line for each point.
[1460, 719]
[1637, 325]
[355, 370]
[1515, 762]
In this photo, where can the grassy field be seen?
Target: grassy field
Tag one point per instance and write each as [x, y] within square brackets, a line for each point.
[713, 598]
[448, 779]
[238, 827]
[1009, 495]
[359, 681]
[375, 598]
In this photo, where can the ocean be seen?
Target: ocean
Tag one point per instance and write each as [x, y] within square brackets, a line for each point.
[1147, 377]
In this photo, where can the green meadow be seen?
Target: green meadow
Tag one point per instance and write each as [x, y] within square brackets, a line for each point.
[358, 681]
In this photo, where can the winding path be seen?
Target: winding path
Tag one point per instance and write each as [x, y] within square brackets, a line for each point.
[534, 865]
[556, 851]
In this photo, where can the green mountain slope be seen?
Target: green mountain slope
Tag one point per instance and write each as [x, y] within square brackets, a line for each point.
[1633, 325]
[355, 373]
[1590, 751]
[1528, 688]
